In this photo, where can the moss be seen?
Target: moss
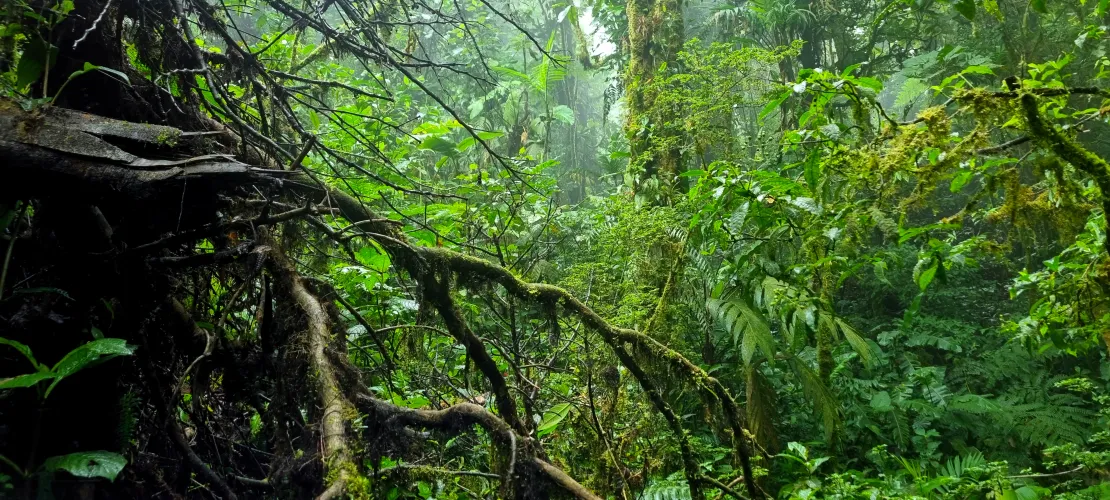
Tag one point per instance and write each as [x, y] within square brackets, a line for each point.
[168, 137]
[1049, 137]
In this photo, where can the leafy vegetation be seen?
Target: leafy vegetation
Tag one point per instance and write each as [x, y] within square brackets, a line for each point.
[649, 249]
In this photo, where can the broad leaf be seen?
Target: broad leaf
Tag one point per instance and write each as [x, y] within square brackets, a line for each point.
[23, 349]
[856, 340]
[966, 8]
[101, 463]
[552, 418]
[34, 61]
[439, 145]
[748, 328]
[28, 380]
[564, 114]
[87, 355]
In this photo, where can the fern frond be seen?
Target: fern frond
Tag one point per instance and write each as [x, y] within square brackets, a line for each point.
[666, 489]
[856, 340]
[817, 392]
[749, 329]
[761, 409]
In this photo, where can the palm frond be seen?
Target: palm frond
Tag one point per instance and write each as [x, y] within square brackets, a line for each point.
[749, 328]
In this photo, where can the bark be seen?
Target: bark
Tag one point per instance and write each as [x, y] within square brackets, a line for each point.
[337, 411]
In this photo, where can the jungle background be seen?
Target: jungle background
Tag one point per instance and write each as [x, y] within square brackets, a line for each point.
[642, 249]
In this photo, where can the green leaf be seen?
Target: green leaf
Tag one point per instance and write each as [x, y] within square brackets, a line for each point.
[880, 401]
[856, 341]
[772, 106]
[978, 69]
[90, 354]
[23, 349]
[28, 380]
[564, 114]
[813, 170]
[92, 67]
[1039, 6]
[991, 6]
[33, 62]
[100, 463]
[927, 275]
[373, 258]
[552, 418]
[871, 83]
[439, 145]
[817, 392]
[966, 8]
[1026, 493]
[748, 328]
[960, 180]
[469, 142]
[512, 72]
[1102, 8]
[935, 483]
[912, 90]
[905, 235]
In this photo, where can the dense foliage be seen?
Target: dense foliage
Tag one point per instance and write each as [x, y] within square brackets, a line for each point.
[649, 249]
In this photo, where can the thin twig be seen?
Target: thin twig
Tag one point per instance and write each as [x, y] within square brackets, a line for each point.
[11, 247]
[92, 28]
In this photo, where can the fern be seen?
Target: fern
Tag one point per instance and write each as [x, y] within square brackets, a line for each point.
[1050, 424]
[667, 489]
[749, 329]
[819, 393]
[956, 466]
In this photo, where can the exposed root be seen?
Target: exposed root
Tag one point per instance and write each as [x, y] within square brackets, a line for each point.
[336, 410]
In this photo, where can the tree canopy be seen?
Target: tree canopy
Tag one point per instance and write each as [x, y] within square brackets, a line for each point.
[650, 249]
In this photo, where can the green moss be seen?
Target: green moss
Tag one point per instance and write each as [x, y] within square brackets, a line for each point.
[168, 138]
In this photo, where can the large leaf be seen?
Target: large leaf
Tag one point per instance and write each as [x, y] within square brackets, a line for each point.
[818, 393]
[94, 352]
[857, 341]
[761, 404]
[772, 105]
[28, 380]
[966, 8]
[439, 145]
[563, 113]
[101, 463]
[748, 327]
[22, 348]
[34, 61]
[469, 142]
[552, 418]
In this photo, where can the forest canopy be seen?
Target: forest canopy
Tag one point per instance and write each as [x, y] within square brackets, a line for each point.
[641, 249]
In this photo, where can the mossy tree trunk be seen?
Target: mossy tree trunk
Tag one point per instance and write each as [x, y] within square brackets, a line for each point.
[655, 32]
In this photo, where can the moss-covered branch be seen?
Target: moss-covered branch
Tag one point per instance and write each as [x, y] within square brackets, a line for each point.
[424, 262]
[524, 467]
[1051, 138]
[336, 409]
[475, 271]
